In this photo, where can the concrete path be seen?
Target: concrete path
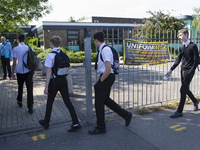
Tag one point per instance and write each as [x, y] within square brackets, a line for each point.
[155, 130]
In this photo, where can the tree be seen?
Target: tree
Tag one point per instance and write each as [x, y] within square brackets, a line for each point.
[160, 22]
[14, 13]
[82, 18]
[196, 19]
[71, 19]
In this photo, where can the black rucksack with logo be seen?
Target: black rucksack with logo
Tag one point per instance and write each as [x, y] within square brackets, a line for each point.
[61, 64]
[32, 61]
[116, 64]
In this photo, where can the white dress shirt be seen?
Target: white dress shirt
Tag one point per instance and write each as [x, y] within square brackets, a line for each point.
[107, 55]
[18, 52]
[187, 43]
[49, 61]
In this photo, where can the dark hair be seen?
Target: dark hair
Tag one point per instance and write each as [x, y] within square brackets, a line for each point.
[99, 36]
[21, 37]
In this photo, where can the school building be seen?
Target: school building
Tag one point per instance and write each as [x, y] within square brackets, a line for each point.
[72, 33]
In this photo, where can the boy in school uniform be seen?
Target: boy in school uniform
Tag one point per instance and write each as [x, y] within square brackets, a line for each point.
[188, 55]
[103, 87]
[23, 73]
[55, 84]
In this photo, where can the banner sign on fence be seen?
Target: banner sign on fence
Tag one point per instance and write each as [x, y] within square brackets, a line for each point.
[143, 53]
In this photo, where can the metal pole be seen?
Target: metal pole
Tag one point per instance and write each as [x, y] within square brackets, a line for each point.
[88, 76]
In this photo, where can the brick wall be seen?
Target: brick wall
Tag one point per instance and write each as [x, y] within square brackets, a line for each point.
[49, 33]
[63, 34]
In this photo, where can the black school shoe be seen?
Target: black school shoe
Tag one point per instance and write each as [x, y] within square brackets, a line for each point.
[96, 130]
[30, 110]
[44, 124]
[74, 128]
[176, 115]
[128, 119]
[196, 105]
[19, 104]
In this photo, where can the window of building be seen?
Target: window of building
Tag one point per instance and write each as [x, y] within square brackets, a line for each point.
[72, 37]
[116, 35]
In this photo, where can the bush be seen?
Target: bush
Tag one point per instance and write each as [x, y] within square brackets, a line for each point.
[43, 55]
[27, 40]
[30, 41]
[77, 57]
[37, 50]
[93, 57]
[64, 49]
[74, 56]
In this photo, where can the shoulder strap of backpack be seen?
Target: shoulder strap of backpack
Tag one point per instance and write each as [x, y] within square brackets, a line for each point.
[102, 50]
[26, 53]
[54, 52]
[53, 68]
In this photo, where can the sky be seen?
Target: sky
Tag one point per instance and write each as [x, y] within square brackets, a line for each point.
[63, 9]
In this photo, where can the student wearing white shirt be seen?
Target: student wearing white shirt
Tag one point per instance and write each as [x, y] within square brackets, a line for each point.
[23, 73]
[103, 87]
[55, 84]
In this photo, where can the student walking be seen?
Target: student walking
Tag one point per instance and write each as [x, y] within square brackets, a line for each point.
[23, 73]
[103, 86]
[55, 84]
[188, 54]
[6, 57]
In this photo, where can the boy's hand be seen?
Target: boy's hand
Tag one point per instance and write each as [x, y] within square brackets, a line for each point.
[169, 72]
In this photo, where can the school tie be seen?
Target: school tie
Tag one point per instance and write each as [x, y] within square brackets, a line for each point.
[96, 61]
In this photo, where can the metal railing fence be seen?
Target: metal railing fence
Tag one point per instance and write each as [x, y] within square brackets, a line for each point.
[137, 86]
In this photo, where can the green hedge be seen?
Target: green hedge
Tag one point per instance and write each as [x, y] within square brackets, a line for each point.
[74, 56]
[30, 41]
[43, 54]
[37, 50]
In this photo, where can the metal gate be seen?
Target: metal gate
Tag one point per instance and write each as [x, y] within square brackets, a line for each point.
[137, 86]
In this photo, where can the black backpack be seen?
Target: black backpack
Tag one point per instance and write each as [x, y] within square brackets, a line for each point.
[116, 64]
[32, 61]
[61, 64]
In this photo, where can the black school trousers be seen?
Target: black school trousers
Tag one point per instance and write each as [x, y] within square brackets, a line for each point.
[28, 79]
[6, 64]
[102, 97]
[186, 78]
[55, 85]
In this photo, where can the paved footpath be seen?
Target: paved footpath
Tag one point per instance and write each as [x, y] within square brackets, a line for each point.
[15, 119]
[154, 131]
